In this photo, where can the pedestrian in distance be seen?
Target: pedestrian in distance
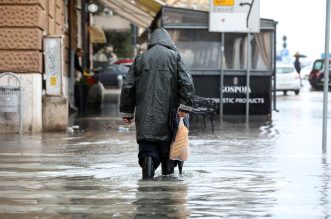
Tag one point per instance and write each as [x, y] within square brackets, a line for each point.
[297, 65]
[79, 69]
[158, 84]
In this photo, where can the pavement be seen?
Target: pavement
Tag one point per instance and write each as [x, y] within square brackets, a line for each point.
[271, 168]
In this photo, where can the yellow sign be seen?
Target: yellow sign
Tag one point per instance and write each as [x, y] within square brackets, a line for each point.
[97, 35]
[223, 2]
[53, 81]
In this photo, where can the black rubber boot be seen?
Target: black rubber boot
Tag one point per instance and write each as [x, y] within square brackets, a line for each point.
[180, 166]
[167, 167]
[148, 168]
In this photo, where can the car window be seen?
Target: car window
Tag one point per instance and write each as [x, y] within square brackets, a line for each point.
[318, 65]
[111, 68]
[122, 68]
[117, 68]
[284, 70]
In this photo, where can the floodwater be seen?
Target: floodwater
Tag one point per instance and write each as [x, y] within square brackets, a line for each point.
[269, 169]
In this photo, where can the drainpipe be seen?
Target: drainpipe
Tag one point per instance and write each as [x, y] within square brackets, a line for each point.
[85, 43]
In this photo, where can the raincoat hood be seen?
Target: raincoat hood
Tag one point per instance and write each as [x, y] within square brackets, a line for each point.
[161, 37]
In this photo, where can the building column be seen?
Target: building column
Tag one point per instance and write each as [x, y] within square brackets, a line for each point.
[21, 32]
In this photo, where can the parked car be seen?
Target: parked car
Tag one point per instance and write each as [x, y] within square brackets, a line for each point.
[316, 76]
[287, 79]
[112, 74]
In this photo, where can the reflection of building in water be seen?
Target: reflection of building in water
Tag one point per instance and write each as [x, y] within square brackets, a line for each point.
[163, 199]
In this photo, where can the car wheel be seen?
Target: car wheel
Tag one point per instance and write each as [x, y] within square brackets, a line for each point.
[313, 85]
[297, 92]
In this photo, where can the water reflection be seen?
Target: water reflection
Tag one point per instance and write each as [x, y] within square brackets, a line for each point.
[269, 170]
[164, 197]
[233, 193]
[325, 189]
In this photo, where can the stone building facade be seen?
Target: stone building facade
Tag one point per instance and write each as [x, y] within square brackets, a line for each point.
[23, 26]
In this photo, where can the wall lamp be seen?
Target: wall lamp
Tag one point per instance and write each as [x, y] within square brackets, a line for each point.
[93, 7]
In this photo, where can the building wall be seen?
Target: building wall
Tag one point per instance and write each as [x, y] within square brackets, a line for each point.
[23, 24]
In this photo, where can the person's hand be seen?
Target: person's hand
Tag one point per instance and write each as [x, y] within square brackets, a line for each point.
[181, 113]
[127, 120]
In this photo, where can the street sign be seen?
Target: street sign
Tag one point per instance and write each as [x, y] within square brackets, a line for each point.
[223, 2]
[285, 52]
[234, 16]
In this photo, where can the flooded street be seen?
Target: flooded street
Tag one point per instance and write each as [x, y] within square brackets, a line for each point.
[271, 169]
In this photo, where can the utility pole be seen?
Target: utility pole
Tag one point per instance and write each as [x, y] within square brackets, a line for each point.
[326, 77]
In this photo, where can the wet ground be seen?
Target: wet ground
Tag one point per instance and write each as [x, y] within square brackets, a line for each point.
[270, 169]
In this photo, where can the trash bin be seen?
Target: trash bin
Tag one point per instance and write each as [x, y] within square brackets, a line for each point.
[11, 98]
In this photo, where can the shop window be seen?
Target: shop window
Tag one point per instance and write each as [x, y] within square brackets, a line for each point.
[182, 17]
[235, 55]
[235, 51]
[199, 49]
[262, 51]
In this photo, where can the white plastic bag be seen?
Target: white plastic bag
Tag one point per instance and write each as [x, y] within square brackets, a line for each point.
[179, 148]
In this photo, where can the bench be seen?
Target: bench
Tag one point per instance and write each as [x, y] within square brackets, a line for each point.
[206, 108]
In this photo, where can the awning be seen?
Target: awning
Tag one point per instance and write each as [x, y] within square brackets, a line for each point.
[139, 12]
[151, 7]
[97, 35]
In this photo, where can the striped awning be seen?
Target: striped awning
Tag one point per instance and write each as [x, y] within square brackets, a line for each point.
[139, 12]
[151, 7]
[97, 35]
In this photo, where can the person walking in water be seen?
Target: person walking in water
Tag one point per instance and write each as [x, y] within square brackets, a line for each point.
[157, 84]
[297, 65]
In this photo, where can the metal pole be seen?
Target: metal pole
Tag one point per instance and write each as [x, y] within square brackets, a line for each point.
[84, 32]
[326, 77]
[221, 79]
[274, 69]
[72, 81]
[21, 123]
[248, 75]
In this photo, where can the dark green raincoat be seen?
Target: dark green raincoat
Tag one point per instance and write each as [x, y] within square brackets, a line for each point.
[157, 83]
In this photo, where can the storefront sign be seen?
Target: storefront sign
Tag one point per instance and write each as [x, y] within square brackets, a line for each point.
[234, 95]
